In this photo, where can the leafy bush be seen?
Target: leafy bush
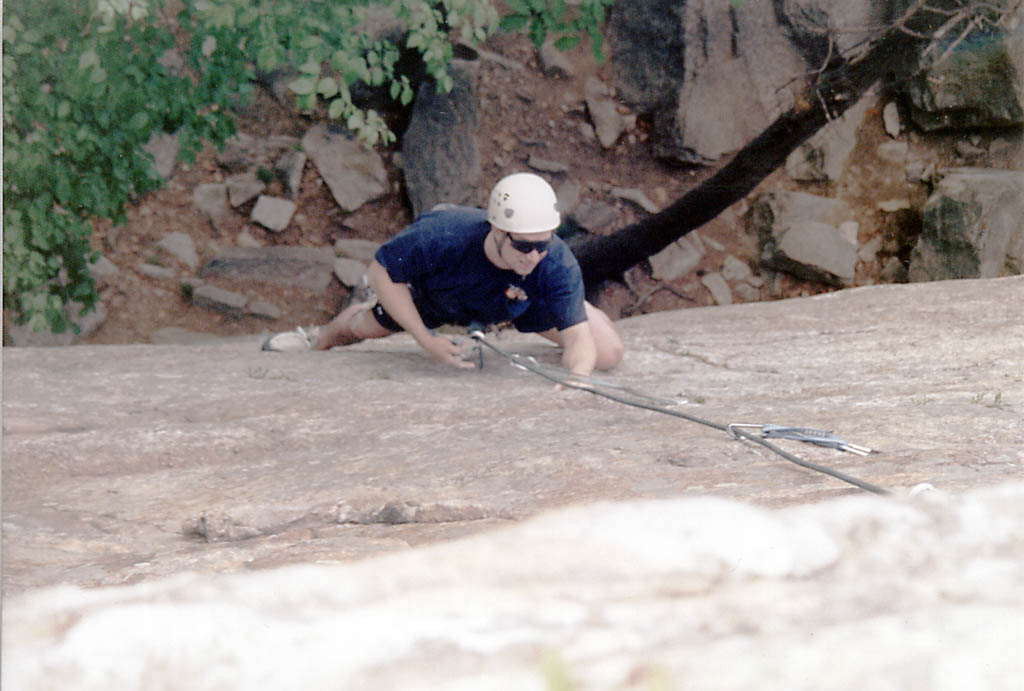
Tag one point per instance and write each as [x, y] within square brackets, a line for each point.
[83, 92]
[541, 18]
[331, 45]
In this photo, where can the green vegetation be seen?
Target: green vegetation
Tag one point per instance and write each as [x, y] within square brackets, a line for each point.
[83, 91]
[541, 18]
[996, 402]
[85, 88]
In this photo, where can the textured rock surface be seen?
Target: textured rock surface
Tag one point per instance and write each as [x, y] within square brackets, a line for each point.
[736, 57]
[310, 267]
[683, 593]
[979, 85]
[440, 157]
[673, 593]
[972, 226]
[109, 451]
[824, 156]
[354, 173]
[799, 234]
[123, 465]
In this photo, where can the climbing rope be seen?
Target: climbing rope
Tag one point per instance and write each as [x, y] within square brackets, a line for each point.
[637, 399]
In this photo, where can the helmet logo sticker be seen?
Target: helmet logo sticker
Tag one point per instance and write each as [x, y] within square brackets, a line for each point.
[509, 213]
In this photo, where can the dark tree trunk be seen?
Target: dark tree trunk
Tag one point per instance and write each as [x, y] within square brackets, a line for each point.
[839, 87]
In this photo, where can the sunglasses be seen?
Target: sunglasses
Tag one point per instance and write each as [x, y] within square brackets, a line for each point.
[527, 246]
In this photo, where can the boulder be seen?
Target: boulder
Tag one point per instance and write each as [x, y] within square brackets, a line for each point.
[972, 226]
[440, 157]
[636, 196]
[648, 51]
[568, 194]
[734, 269]
[891, 119]
[210, 199]
[598, 218]
[554, 62]
[740, 62]
[349, 271]
[157, 271]
[609, 124]
[164, 148]
[678, 259]
[979, 85]
[354, 173]
[893, 152]
[243, 188]
[103, 269]
[689, 62]
[824, 156]
[356, 248]
[799, 234]
[273, 213]
[544, 165]
[263, 310]
[307, 268]
[246, 153]
[821, 29]
[685, 62]
[181, 246]
[219, 300]
[289, 169]
[718, 287]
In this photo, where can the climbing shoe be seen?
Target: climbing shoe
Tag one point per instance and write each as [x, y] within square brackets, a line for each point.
[293, 341]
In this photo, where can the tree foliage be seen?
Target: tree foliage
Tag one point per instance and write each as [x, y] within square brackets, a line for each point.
[541, 18]
[83, 91]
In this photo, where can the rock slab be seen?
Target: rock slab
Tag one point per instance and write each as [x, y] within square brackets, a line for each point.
[672, 593]
[100, 480]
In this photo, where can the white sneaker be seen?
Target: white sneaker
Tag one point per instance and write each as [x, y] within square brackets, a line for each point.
[293, 341]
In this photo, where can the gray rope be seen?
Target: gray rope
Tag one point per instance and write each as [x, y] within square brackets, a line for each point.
[639, 400]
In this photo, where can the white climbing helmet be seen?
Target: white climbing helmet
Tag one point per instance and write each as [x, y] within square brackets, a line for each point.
[523, 203]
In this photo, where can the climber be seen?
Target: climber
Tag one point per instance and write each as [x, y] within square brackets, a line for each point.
[460, 265]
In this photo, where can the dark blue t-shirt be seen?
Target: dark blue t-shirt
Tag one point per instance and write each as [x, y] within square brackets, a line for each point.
[441, 257]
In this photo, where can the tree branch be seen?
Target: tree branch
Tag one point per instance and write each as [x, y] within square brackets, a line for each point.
[607, 257]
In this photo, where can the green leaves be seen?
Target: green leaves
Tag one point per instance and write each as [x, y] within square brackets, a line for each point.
[78, 105]
[327, 87]
[303, 85]
[515, 22]
[88, 58]
[541, 18]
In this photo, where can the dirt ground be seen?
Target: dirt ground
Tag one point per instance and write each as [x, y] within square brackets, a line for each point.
[522, 113]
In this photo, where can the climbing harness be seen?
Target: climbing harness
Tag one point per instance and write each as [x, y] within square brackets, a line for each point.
[637, 399]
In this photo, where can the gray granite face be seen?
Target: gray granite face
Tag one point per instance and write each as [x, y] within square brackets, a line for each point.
[110, 450]
[197, 472]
